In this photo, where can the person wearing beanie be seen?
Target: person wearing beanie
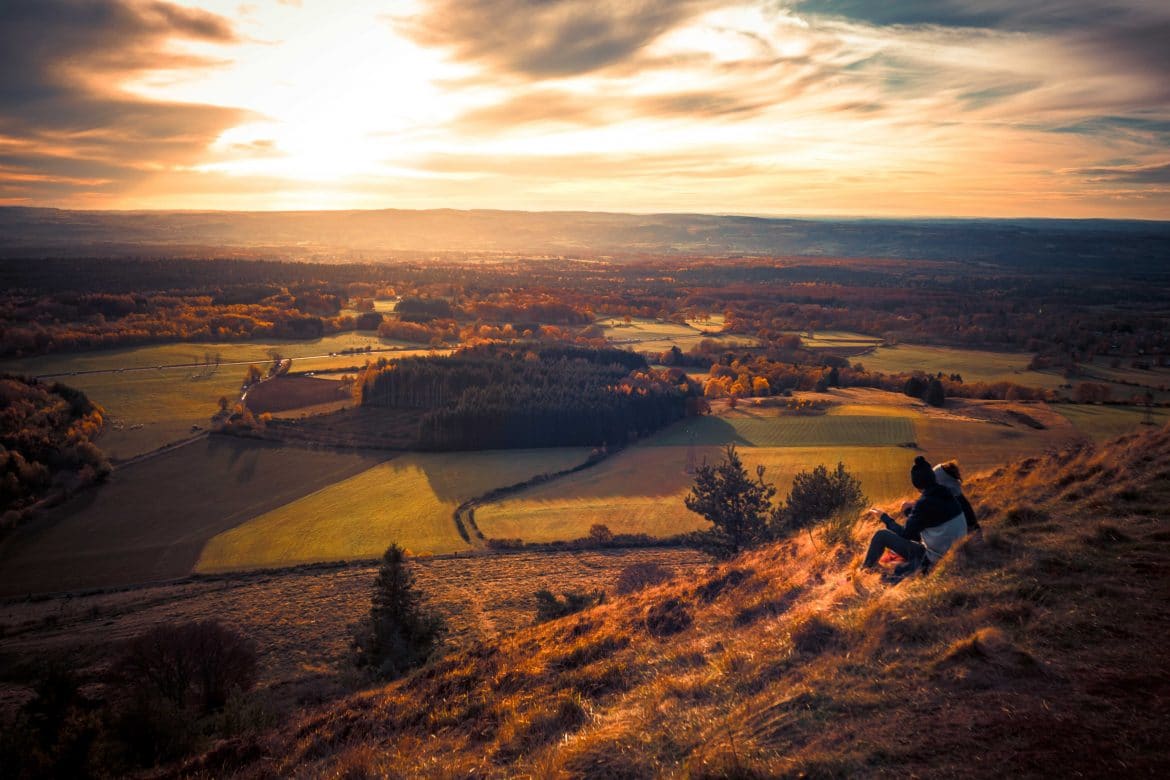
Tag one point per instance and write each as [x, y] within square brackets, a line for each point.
[948, 475]
[933, 523]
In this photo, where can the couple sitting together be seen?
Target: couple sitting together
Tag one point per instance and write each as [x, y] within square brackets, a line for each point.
[940, 517]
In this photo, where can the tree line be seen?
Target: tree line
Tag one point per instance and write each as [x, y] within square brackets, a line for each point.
[495, 397]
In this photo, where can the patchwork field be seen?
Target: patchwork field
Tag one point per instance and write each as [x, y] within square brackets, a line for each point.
[151, 520]
[409, 500]
[839, 339]
[148, 407]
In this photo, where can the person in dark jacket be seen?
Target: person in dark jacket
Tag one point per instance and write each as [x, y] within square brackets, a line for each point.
[933, 523]
[948, 475]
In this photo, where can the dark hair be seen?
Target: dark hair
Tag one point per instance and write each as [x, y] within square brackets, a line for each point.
[952, 467]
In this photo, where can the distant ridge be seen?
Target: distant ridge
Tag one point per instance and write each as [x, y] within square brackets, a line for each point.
[376, 235]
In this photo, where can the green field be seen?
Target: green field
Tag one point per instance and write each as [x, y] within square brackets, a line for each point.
[152, 519]
[973, 365]
[409, 500]
[642, 490]
[789, 431]
[148, 407]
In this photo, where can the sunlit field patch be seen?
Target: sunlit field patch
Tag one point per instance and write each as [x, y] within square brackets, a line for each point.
[973, 365]
[1104, 422]
[408, 500]
[642, 490]
[789, 431]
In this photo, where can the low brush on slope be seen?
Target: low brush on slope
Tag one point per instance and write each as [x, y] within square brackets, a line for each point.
[1039, 650]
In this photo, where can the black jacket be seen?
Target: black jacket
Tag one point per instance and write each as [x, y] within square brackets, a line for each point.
[934, 507]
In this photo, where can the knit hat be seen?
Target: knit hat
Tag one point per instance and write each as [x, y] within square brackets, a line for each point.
[921, 474]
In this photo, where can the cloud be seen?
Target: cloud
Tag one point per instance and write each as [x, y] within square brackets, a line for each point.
[1134, 174]
[549, 38]
[62, 64]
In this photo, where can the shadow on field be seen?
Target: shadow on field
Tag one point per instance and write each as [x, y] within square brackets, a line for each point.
[151, 520]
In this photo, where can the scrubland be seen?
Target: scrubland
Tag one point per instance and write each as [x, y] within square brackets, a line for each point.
[1036, 650]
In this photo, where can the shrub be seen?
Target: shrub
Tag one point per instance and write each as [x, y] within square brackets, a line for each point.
[667, 618]
[199, 663]
[820, 494]
[637, 576]
[401, 633]
[549, 607]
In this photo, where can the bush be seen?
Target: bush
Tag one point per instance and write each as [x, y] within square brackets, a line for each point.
[401, 633]
[198, 663]
[549, 607]
[667, 618]
[637, 576]
[820, 494]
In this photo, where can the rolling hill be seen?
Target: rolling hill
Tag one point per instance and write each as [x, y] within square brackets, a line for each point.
[1036, 650]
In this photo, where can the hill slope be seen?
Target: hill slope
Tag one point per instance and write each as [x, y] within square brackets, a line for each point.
[1036, 651]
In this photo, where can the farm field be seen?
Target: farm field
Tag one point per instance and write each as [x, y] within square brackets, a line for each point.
[408, 500]
[646, 335]
[1105, 422]
[151, 407]
[641, 490]
[775, 430]
[972, 365]
[839, 339]
[151, 520]
[300, 619]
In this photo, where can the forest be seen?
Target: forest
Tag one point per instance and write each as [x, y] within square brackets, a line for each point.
[493, 397]
[46, 444]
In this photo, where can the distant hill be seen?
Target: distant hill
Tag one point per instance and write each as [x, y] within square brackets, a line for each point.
[375, 235]
[1036, 651]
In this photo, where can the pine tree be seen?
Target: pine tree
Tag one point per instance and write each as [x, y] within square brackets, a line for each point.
[737, 506]
[402, 632]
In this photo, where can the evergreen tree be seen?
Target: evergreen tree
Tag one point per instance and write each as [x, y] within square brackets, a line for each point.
[402, 632]
[737, 506]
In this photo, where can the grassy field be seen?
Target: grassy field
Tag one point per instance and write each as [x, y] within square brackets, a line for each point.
[839, 339]
[408, 500]
[772, 430]
[1104, 422]
[641, 490]
[150, 407]
[645, 335]
[152, 519]
[972, 365]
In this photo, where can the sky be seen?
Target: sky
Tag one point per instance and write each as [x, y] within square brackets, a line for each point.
[1045, 108]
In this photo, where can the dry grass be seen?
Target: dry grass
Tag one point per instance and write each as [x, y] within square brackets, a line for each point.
[1023, 652]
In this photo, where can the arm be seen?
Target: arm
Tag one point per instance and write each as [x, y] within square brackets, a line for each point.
[968, 513]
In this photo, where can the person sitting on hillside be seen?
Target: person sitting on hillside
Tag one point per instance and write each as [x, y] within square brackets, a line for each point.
[933, 523]
[948, 475]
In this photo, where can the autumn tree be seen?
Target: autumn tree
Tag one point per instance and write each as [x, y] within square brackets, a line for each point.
[736, 505]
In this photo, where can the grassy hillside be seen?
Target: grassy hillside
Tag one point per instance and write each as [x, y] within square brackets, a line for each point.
[1038, 650]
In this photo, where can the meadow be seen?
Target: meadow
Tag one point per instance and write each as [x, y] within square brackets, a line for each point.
[1100, 423]
[409, 500]
[972, 364]
[151, 520]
